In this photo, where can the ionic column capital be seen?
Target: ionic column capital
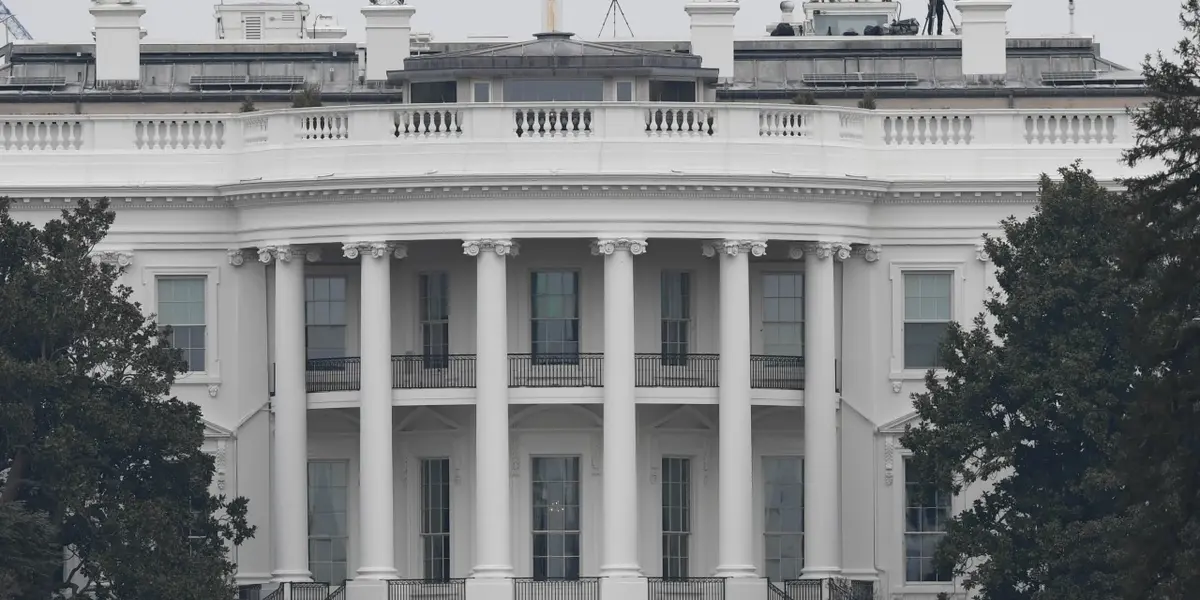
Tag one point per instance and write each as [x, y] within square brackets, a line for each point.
[981, 252]
[119, 258]
[501, 247]
[237, 256]
[286, 252]
[820, 250]
[869, 252]
[734, 248]
[608, 247]
[353, 250]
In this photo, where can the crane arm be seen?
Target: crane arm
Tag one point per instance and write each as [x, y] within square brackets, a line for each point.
[14, 26]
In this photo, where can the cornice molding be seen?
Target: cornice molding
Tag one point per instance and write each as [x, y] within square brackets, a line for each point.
[119, 258]
[608, 247]
[502, 247]
[353, 250]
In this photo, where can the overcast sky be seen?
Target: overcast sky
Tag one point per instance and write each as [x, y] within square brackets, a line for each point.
[1125, 33]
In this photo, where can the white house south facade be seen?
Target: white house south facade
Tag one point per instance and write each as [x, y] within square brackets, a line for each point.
[562, 319]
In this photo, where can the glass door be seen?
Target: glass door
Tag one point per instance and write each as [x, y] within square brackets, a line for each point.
[556, 517]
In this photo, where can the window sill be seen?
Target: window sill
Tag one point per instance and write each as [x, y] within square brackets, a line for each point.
[198, 378]
[915, 374]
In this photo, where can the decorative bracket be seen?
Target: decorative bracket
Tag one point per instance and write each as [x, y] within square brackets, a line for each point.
[353, 250]
[733, 248]
[820, 250]
[499, 246]
[285, 253]
[607, 247]
[889, 459]
[120, 258]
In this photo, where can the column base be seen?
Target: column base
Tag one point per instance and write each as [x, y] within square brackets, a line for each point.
[291, 576]
[376, 574]
[737, 571]
[624, 588]
[366, 589]
[820, 572]
[490, 589]
[746, 587]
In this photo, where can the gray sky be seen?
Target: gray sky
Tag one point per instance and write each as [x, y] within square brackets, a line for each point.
[1125, 36]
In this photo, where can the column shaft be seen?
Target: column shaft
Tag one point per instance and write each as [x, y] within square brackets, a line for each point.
[375, 481]
[620, 411]
[492, 500]
[821, 513]
[289, 471]
[736, 515]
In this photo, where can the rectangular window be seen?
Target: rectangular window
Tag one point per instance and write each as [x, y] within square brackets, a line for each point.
[926, 512]
[325, 317]
[433, 92]
[676, 516]
[783, 314]
[181, 307]
[624, 91]
[554, 90]
[672, 91]
[482, 91]
[328, 531]
[435, 518]
[783, 524]
[435, 319]
[556, 528]
[676, 316]
[555, 317]
[926, 317]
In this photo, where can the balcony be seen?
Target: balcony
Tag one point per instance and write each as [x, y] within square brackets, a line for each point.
[676, 370]
[420, 589]
[692, 588]
[584, 588]
[411, 372]
[784, 142]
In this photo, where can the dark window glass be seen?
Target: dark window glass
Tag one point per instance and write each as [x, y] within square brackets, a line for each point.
[676, 516]
[434, 92]
[672, 91]
[926, 513]
[554, 90]
[435, 518]
[556, 517]
[483, 91]
[783, 526]
[555, 317]
[435, 319]
[676, 316]
[624, 91]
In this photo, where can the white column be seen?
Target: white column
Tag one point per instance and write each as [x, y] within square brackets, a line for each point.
[736, 512]
[289, 449]
[375, 475]
[492, 527]
[822, 555]
[620, 409]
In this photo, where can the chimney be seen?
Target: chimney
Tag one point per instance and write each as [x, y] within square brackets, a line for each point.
[118, 36]
[552, 16]
[984, 39]
[388, 29]
[712, 34]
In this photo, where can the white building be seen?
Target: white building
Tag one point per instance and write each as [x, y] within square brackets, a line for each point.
[559, 319]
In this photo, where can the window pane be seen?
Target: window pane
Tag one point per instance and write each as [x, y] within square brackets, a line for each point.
[556, 530]
[783, 501]
[921, 344]
[435, 518]
[783, 314]
[328, 531]
[554, 327]
[926, 512]
[676, 517]
[554, 90]
[624, 91]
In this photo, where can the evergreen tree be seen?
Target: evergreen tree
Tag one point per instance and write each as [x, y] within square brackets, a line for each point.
[1160, 448]
[96, 457]
[1029, 411]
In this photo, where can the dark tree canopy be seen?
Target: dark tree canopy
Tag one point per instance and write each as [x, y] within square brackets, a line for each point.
[1160, 453]
[99, 459]
[1032, 407]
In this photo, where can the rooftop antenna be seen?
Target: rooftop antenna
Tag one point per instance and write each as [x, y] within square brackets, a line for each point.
[15, 29]
[1071, 9]
[614, 11]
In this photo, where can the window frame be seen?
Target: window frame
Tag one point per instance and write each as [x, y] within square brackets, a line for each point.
[562, 357]
[448, 506]
[430, 360]
[688, 509]
[203, 324]
[212, 276]
[958, 287]
[347, 317]
[486, 86]
[762, 504]
[350, 483]
[549, 530]
[632, 90]
[901, 483]
[762, 297]
[687, 321]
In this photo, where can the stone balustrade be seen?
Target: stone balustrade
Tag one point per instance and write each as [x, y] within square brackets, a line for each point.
[692, 142]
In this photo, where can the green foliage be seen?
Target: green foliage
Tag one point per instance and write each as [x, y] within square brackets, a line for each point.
[1160, 451]
[247, 106]
[1032, 406]
[805, 99]
[868, 101]
[309, 97]
[100, 460]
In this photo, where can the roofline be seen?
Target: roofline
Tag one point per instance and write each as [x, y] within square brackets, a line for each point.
[964, 93]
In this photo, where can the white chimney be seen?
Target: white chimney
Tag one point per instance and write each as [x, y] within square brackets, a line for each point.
[388, 43]
[712, 34]
[118, 40]
[984, 38]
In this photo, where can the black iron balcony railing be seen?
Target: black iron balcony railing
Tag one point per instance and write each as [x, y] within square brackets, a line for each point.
[804, 589]
[777, 372]
[333, 374]
[300, 591]
[250, 592]
[555, 370]
[423, 589]
[411, 372]
[699, 588]
[584, 588]
[676, 370]
[338, 594]
[775, 591]
[862, 590]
